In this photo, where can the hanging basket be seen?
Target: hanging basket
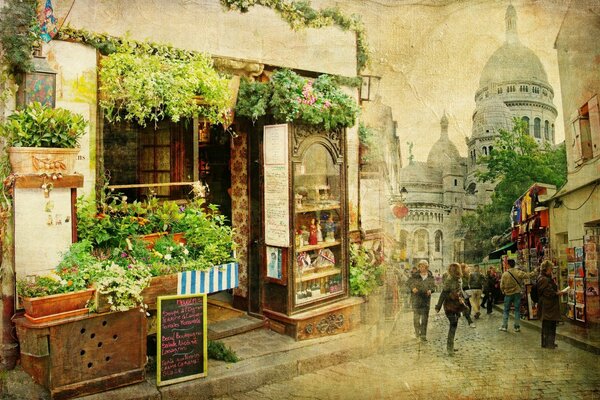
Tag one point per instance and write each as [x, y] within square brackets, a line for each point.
[42, 160]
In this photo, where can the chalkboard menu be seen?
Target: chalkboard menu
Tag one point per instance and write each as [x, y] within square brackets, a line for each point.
[181, 338]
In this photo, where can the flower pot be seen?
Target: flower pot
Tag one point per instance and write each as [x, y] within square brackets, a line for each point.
[42, 160]
[56, 306]
[151, 238]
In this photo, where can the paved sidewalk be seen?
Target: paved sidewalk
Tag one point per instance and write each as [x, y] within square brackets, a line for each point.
[268, 357]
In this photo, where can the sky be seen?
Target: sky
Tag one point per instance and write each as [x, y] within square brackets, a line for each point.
[430, 55]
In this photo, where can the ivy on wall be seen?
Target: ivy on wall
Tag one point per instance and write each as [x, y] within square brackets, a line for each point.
[299, 14]
[19, 34]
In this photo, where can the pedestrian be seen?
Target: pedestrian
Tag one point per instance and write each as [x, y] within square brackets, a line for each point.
[511, 284]
[421, 286]
[476, 282]
[464, 270]
[549, 307]
[452, 300]
[489, 290]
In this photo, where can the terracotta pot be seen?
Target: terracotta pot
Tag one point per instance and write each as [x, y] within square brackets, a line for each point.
[42, 160]
[151, 238]
[56, 306]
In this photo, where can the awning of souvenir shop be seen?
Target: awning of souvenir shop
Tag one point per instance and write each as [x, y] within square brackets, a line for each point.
[496, 254]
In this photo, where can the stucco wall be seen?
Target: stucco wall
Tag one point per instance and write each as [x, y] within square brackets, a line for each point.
[204, 25]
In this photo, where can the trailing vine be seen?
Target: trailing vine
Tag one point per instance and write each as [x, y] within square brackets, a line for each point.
[288, 97]
[19, 34]
[299, 14]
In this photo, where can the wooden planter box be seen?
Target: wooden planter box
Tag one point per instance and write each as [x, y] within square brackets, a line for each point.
[86, 354]
[57, 306]
[159, 286]
[42, 160]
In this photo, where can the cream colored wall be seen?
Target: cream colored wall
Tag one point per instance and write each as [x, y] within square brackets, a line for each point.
[204, 25]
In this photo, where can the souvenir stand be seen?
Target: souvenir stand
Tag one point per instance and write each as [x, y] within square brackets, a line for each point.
[583, 304]
[530, 222]
[305, 274]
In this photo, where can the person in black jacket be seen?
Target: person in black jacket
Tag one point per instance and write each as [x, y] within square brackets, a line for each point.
[453, 301]
[489, 290]
[549, 304]
[421, 285]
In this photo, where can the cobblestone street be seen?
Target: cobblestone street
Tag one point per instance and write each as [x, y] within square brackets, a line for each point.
[489, 365]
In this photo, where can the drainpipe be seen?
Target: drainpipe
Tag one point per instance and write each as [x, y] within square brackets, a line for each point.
[8, 341]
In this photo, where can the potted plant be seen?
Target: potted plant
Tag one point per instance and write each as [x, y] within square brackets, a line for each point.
[41, 139]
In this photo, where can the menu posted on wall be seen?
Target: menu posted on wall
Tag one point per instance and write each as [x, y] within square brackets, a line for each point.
[276, 186]
[181, 338]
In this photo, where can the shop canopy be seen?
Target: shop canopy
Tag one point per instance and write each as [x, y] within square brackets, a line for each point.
[496, 254]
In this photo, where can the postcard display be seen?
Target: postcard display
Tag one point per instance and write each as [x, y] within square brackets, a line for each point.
[582, 277]
[305, 275]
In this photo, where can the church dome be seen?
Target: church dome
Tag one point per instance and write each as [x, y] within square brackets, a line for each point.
[443, 153]
[418, 173]
[513, 62]
[490, 115]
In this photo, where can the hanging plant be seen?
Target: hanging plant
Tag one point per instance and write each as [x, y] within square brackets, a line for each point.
[149, 87]
[288, 97]
[19, 34]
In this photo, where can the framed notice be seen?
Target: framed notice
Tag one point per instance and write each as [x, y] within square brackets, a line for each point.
[276, 186]
[181, 338]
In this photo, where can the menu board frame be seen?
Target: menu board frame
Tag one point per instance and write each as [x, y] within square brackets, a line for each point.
[161, 302]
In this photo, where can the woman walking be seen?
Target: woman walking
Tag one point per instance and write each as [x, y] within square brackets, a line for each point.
[549, 307]
[453, 302]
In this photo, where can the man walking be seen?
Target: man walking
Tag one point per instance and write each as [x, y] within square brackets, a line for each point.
[511, 284]
[476, 282]
[421, 285]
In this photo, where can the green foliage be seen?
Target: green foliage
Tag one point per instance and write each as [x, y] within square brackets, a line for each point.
[122, 285]
[42, 126]
[292, 98]
[516, 162]
[218, 351]
[368, 141]
[19, 34]
[365, 273]
[300, 14]
[148, 87]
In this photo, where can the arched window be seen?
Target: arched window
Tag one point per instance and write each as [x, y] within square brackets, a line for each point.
[484, 150]
[499, 90]
[490, 149]
[546, 130]
[471, 188]
[456, 182]
[421, 239]
[552, 132]
[537, 129]
[402, 240]
[526, 120]
[438, 241]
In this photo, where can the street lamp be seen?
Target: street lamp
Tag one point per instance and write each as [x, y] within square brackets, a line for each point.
[399, 209]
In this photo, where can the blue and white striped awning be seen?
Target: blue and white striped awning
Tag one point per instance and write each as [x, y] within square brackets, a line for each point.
[220, 277]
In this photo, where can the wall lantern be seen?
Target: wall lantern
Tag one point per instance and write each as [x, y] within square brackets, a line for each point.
[369, 88]
[399, 209]
[39, 84]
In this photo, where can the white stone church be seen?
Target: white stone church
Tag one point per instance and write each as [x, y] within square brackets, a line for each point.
[513, 83]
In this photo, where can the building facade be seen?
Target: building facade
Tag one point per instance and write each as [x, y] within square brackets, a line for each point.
[513, 84]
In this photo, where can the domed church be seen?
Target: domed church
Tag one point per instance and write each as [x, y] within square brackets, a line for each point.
[513, 83]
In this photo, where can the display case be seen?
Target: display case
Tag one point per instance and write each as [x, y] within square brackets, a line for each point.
[305, 271]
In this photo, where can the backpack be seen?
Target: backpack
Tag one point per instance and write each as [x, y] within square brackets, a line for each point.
[535, 296]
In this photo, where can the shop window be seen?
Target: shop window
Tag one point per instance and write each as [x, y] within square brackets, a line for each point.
[537, 130]
[585, 125]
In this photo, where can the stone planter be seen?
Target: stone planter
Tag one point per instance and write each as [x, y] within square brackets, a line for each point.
[42, 160]
[56, 306]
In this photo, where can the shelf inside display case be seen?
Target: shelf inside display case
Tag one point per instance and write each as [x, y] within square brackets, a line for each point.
[317, 207]
[321, 245]
[311, 276]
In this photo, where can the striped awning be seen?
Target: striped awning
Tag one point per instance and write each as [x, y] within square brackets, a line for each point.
[220, 277]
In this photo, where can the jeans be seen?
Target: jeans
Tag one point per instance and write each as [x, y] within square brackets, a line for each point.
[420, 319]
[516, 300]
[453, 318]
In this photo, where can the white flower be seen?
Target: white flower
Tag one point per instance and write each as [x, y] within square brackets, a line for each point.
[186, 251]
[167, 256]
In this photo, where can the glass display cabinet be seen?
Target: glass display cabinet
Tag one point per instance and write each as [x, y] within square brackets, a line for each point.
[306, 270]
